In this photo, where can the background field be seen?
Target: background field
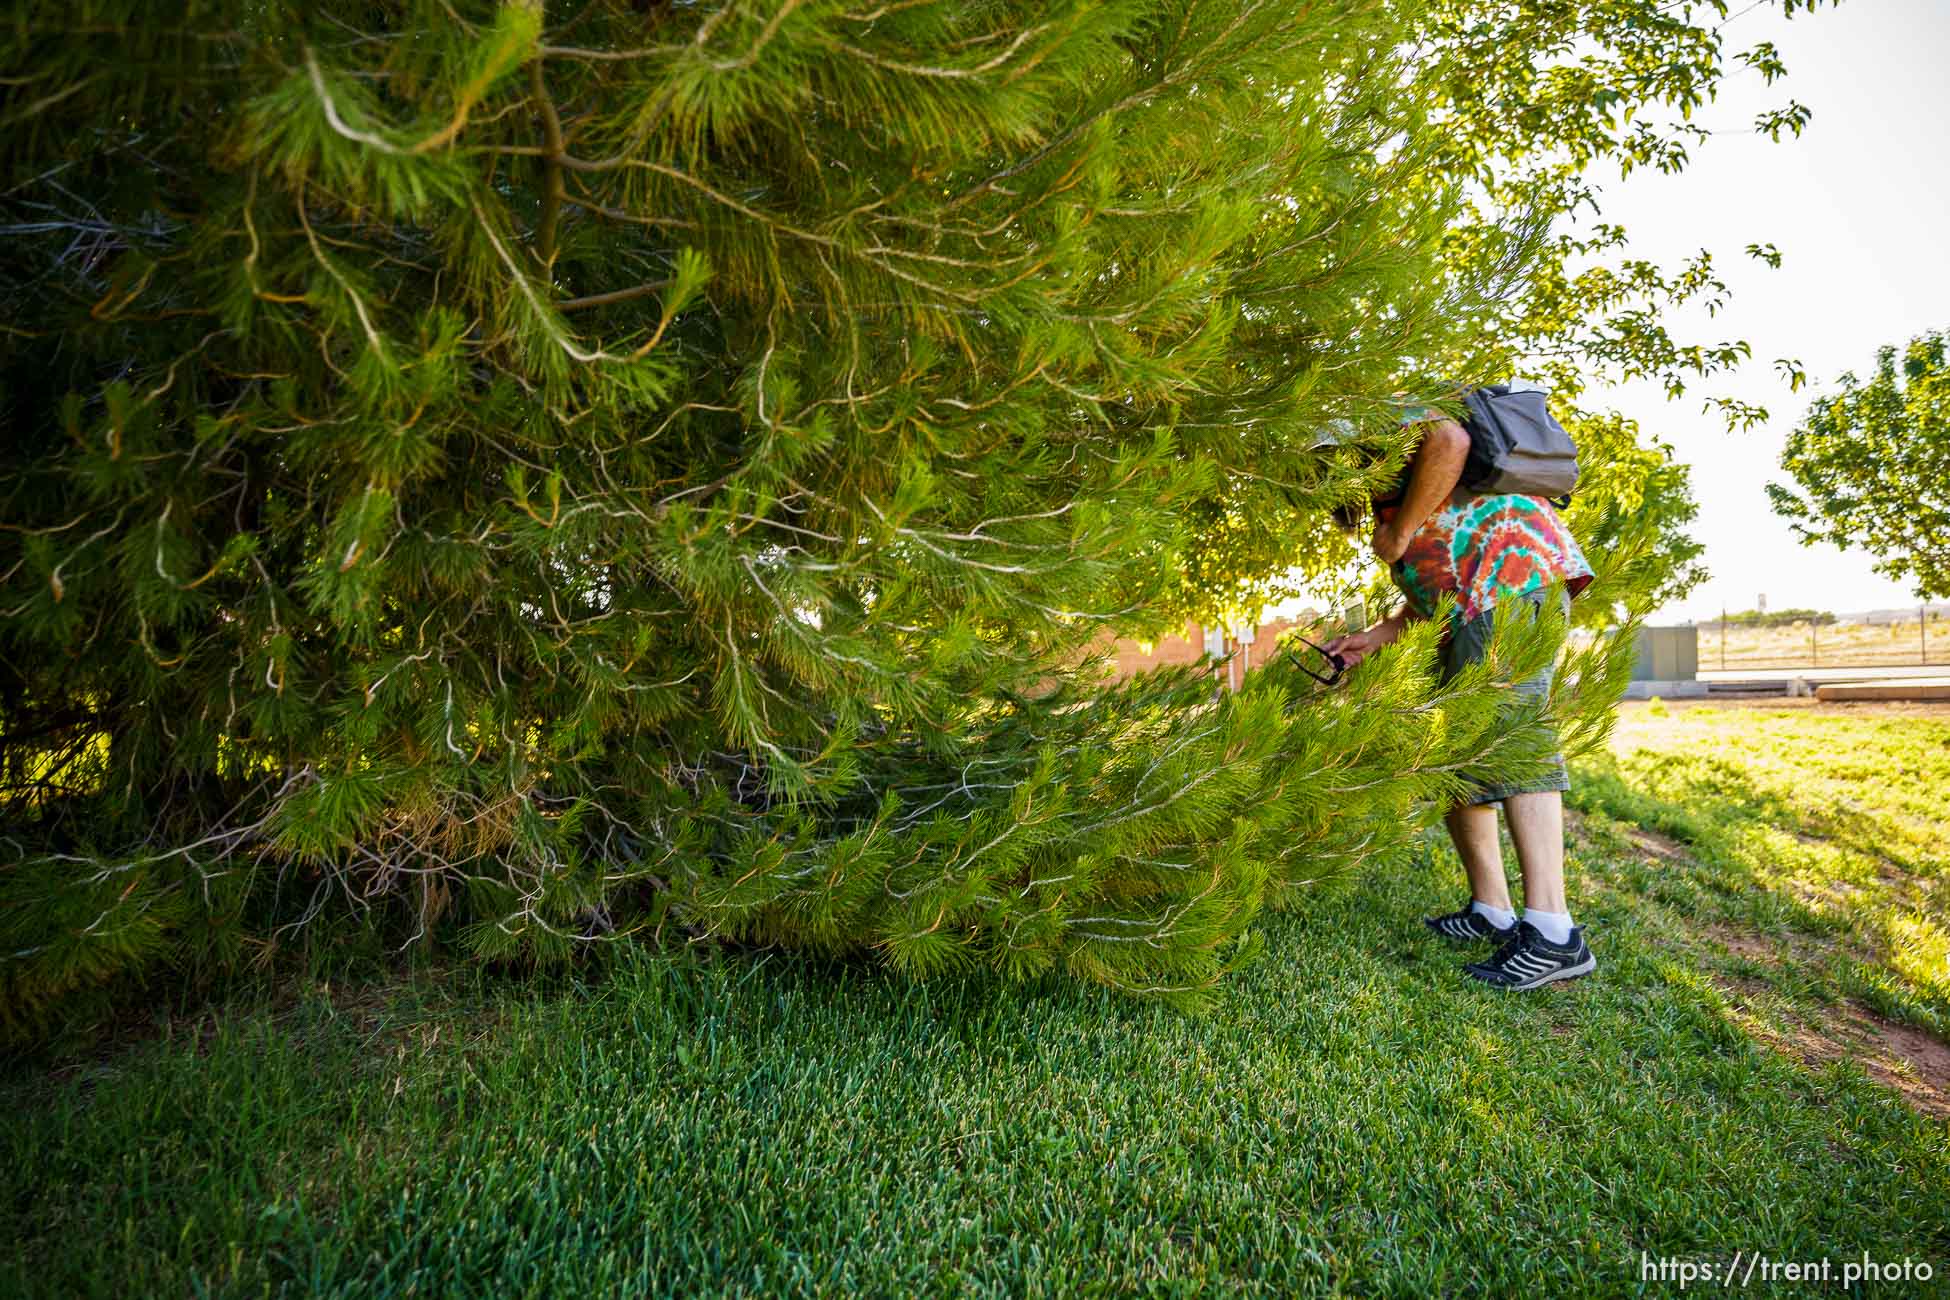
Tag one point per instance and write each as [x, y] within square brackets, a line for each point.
[1848, 645]
[1767, 891]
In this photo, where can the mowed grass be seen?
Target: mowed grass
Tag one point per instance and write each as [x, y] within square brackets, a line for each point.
[1350, 1117]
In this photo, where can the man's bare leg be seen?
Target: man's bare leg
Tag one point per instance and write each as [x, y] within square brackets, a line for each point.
[1549, 946]
[1472, 829]
[1537, 828]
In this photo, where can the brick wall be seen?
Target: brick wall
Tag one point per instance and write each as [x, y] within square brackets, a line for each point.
[1130, 657]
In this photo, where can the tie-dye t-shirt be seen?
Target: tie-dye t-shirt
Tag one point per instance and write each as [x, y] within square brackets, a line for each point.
[1480, 549]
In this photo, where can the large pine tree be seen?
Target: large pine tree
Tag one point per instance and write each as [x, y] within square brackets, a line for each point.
[648, 467]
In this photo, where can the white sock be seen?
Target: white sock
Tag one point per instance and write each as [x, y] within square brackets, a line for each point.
[1555, 926]
[1500, 917]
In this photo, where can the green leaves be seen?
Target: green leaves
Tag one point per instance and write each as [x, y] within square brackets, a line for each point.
[1870, 464]
[1536, 102]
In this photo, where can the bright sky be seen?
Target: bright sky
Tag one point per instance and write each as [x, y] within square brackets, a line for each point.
[1858, 206]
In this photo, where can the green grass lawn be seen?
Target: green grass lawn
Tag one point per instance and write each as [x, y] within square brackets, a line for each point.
[1350, 1117]
[1815, 841]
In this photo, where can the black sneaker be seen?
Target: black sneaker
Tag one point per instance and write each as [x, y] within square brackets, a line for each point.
[1468, 925]
[1527, 959]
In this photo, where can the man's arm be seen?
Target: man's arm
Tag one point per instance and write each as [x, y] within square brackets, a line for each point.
[1433, 475]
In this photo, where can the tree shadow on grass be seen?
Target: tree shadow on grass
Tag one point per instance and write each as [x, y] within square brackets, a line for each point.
[1805, 927]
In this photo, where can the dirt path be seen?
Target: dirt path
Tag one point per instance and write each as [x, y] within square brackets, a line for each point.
[1909, 1061]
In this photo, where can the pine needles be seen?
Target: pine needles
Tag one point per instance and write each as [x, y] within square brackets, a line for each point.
[532, 483]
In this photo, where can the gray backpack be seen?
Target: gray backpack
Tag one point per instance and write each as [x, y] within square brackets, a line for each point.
[1516, 446]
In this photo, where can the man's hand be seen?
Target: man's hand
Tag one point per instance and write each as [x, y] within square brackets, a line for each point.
[1356, 646]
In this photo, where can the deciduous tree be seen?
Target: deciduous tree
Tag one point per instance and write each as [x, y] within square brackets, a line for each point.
[1871, 466]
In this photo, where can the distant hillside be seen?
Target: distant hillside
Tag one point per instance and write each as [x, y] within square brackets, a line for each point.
[1902, 614]
[1938, 611]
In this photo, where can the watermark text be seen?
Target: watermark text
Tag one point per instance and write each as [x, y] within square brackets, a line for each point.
[1746, 1267]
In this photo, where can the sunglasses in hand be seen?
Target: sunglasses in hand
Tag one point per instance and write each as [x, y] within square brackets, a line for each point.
[1335, 663]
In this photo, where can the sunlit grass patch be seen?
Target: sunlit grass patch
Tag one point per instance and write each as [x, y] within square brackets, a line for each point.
[1823, 824]
[1919, 951]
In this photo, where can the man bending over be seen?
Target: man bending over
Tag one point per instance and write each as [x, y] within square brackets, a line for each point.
[1495, 555]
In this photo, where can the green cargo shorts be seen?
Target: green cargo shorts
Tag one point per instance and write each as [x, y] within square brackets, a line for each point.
[1467, 645]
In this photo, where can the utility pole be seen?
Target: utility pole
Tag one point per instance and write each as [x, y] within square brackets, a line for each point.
[1723, 638]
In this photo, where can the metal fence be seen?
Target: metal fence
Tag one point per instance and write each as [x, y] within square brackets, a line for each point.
[1903, 643]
